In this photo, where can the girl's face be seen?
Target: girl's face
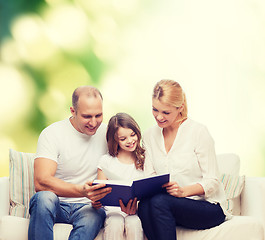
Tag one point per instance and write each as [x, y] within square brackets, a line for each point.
[165, 115]
[127, 139]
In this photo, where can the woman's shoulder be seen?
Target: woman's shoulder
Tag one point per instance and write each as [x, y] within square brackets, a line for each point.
[190, 123]
[197, 129]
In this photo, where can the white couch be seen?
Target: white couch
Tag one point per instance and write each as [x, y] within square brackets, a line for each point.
[250, 204]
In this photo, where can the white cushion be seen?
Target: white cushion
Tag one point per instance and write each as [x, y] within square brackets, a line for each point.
[239, 227]
[4, 193]
[9, 223]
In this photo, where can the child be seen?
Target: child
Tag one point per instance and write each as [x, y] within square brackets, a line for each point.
[126, 161]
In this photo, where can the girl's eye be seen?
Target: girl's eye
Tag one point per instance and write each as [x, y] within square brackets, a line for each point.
[166, 113]
[133, 134]
[155, 110]
[122, 139]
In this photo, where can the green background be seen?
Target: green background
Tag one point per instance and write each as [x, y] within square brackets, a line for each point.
[214, 49]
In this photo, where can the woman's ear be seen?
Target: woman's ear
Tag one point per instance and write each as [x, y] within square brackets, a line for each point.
[181, 108]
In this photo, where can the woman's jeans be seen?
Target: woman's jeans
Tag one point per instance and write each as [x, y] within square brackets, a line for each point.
[46, 210]
[162, 213]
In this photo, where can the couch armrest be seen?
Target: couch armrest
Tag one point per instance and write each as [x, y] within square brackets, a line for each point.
[253, 198]
[4, 196]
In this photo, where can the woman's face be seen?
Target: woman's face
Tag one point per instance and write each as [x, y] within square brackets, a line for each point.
[127, 139]
[165, 115]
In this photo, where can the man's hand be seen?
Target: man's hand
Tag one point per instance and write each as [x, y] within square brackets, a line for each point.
[174, 189]
[131, 207]
[95, 192]
[96, 205]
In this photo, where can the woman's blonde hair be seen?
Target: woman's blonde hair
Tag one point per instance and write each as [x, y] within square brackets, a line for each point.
[169, 92]
[124, 120]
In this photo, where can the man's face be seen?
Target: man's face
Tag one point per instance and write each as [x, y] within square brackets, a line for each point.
[88, 116]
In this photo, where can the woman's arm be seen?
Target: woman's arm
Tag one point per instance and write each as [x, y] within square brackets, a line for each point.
[205, 152]
[175, 190]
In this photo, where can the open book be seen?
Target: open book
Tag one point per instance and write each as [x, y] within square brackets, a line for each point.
[126, 190]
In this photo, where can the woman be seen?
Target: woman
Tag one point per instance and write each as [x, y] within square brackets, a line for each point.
[185, 149]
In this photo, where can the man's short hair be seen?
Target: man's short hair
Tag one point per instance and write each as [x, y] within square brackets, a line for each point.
[89, 91]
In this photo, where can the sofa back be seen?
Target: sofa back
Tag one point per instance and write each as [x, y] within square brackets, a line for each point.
[21, 185]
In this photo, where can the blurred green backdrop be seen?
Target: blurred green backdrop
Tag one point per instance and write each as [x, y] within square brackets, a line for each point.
[215, 49]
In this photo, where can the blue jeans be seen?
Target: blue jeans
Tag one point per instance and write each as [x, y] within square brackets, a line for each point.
[162, 213]
[46, 210]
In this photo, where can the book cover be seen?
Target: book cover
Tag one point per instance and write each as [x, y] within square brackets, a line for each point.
[126, 190]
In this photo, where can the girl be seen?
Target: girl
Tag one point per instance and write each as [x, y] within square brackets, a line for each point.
[125, 161]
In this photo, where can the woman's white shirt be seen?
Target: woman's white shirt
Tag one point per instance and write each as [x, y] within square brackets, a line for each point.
[190, 160]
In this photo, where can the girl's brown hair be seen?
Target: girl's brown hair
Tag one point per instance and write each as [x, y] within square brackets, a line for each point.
[126, 121]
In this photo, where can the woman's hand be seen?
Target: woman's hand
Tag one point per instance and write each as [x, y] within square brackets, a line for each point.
[174, 189]
[131, 207]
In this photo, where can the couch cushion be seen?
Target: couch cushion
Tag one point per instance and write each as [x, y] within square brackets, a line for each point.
[233, 186]
[9, 223]
[21, 182]
[239, 227]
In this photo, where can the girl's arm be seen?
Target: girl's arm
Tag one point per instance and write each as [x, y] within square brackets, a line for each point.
[101, 175]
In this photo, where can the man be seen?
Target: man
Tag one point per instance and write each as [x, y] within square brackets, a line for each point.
[65, 166]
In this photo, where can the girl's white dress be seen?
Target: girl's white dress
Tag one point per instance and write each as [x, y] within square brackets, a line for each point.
[119, 225]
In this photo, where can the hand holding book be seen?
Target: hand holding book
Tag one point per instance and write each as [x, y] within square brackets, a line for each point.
[126, 190]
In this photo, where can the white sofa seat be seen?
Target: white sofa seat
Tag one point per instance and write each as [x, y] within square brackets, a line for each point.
[240, 227]
[249, 226]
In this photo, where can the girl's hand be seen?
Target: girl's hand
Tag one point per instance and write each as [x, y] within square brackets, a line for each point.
[131, 207]
[174, 189]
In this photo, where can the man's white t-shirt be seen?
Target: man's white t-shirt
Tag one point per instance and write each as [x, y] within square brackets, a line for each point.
[75, 153]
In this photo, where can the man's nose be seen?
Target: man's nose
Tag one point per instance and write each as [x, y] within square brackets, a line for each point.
[93, 122]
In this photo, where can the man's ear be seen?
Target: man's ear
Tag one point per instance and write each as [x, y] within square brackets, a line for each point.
[72, 111]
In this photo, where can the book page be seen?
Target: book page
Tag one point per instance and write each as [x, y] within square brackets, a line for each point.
[114, 182]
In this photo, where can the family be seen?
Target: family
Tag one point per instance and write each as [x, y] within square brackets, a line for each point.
[73, 152]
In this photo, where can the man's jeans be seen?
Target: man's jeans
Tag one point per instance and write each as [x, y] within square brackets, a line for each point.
[46, 210]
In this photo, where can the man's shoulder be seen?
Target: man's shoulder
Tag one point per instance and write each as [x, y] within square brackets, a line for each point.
[57, 126]
[102, 130]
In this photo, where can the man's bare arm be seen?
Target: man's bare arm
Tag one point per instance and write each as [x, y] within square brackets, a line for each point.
[44, 180]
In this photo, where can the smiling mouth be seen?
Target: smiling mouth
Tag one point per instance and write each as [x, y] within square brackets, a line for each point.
[131, 145]
[161, 121]
[91, 129]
